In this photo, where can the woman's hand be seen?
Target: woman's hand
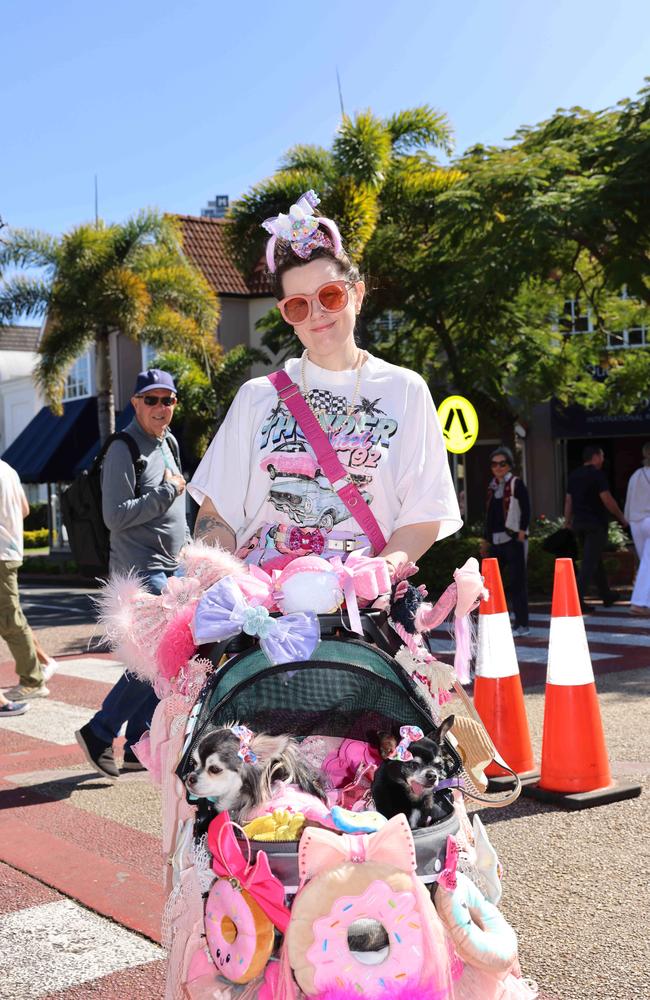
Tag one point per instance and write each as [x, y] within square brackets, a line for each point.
[521, 535]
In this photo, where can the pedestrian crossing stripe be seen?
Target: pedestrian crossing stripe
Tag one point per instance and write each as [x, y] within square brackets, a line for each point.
[459, 422]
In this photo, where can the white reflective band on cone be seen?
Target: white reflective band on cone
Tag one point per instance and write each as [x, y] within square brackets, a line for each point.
[569, 662]
[496, 656]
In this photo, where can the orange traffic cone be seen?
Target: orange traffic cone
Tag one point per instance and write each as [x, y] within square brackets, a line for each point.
[575, 765]
[498, 694]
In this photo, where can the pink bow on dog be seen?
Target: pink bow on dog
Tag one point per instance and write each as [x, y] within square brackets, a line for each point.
[409, 734]
[321, 849]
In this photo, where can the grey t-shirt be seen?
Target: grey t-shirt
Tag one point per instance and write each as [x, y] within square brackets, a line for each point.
[147, 532]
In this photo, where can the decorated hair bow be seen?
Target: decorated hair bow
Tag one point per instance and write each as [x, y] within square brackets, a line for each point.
[258, 880]
[245, 736]
[321, 849]
[361, 576]
[224, 612]
[409, 734]
[301, 229]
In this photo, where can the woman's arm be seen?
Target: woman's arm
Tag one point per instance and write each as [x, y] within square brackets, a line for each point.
[409, 542]
[212, 529]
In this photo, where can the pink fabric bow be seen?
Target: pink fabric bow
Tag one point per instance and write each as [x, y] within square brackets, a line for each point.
[321, 849]
[361, 576]
[409, 734]
[311, 541]
[245, 736]
[229, 862]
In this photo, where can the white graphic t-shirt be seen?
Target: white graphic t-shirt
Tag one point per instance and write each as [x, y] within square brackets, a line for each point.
[11, 515]
[263, 478]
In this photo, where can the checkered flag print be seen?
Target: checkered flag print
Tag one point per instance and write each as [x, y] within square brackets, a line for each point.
[323, 399]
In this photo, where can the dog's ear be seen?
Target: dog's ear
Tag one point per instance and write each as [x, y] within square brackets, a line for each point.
[387, 743]
[267, 747]
[442, 730]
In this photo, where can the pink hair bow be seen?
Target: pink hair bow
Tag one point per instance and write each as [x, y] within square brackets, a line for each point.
[409, 734]
[229, 862]
[361, 576]
[321, 849]
[245, 736]
[301, 229]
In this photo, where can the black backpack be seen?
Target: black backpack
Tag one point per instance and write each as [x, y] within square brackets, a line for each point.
[81, 509]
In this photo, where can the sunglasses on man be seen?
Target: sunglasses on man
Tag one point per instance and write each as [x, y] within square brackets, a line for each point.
[332, 297]
[162, 400]
[500, 464]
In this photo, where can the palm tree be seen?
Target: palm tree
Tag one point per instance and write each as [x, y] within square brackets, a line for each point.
[98, 279]
[377, 171]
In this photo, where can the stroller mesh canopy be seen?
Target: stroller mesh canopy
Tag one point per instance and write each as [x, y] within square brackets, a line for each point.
[348, 689]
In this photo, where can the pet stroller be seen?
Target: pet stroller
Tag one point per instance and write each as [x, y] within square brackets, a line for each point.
[282, 910]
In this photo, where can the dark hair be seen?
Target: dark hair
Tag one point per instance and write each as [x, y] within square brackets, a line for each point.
[507, 454]
[589, 451]
[286, 259]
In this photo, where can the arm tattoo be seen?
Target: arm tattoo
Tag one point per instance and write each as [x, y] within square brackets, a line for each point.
[208, 529]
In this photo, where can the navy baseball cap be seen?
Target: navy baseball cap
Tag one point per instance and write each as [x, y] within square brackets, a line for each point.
[153, 378]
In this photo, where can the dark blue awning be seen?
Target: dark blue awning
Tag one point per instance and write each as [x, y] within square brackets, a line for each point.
[49, 448]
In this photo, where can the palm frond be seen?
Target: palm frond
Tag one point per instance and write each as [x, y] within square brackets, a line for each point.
[65, 339]
[314, 159]
[417, 128]
[28, 248]
[23, 295]
[362, 149]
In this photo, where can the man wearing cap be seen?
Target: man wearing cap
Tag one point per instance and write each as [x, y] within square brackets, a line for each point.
[146, 534]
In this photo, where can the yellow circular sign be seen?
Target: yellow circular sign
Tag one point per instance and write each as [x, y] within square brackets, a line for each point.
[459, 424]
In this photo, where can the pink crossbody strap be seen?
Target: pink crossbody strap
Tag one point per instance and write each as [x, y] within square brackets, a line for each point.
[289, 393]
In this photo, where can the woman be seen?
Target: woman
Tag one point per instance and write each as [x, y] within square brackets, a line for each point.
[506, 531]
[261, 491]
[637, 512]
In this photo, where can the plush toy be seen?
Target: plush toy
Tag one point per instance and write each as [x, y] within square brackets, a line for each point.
[308, 583]
[280, 825]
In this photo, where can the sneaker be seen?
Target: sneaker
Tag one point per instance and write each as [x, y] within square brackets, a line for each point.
[13, 708]
[131, 762]
[639, 611]
[98, 755]
[20, 691]
[521, 631]
[49, 668]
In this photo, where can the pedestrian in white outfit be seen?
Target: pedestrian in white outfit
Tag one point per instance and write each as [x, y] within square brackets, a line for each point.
[637, 511]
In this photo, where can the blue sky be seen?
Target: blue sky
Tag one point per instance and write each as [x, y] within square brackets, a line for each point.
[173, 101]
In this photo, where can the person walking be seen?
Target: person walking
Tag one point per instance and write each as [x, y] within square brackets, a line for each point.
[587, 508]
[146, 534]
[14, 629]
[505, 535]
[637, 512]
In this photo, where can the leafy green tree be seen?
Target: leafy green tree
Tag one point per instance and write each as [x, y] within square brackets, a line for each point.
[95, 280]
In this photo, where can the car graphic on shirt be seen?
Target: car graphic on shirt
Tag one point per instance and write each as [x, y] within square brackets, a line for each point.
[310, 502]
[291, 459]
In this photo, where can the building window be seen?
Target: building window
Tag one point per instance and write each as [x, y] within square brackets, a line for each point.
[148, 355]
[636, 336]
[573, 320]
[78, 384]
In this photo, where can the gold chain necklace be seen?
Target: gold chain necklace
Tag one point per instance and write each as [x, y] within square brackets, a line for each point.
[361, 360]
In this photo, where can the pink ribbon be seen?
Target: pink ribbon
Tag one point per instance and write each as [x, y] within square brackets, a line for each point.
[321, 849]
[257, 879]
[361, 576]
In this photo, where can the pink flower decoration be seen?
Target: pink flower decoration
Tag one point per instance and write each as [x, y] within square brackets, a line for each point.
[176, 646]
[180, 592]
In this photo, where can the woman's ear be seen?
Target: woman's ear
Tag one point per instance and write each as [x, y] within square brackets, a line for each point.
[359, 293]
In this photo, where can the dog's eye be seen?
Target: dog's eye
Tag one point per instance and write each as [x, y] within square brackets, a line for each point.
[214, 770]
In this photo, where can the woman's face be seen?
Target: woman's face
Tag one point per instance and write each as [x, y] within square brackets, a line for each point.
[326, 335]
[500, 467]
